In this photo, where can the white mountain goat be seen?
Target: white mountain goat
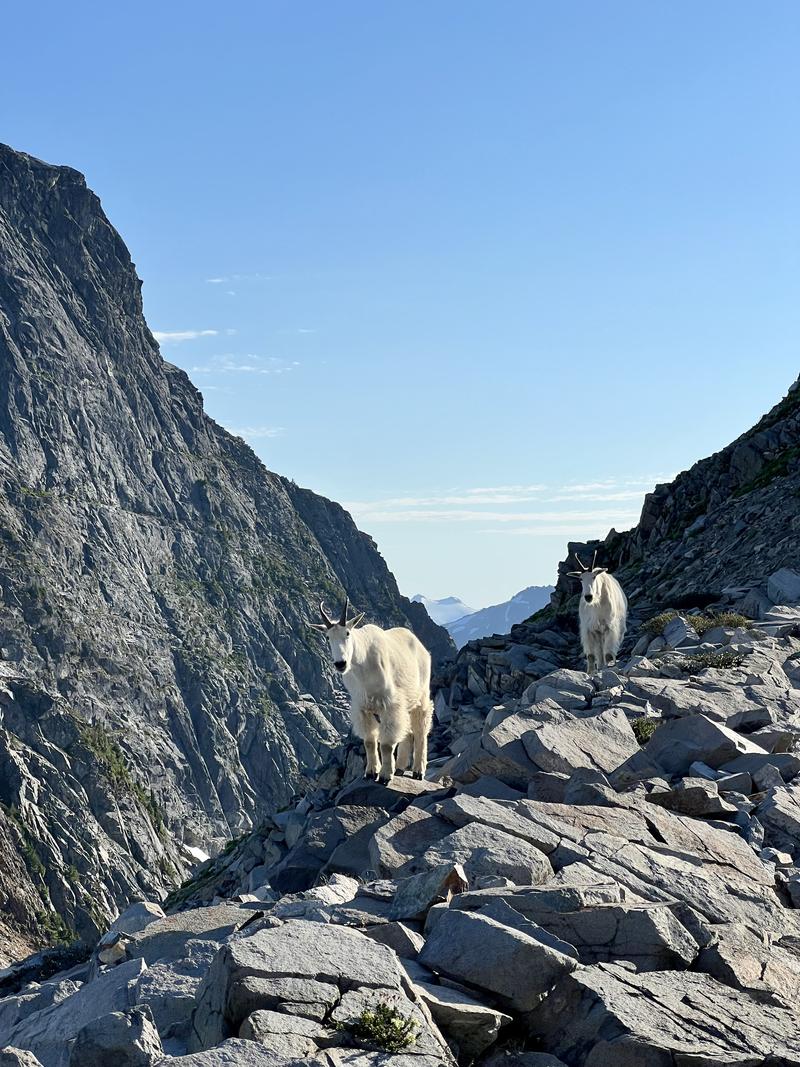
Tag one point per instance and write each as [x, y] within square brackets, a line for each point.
[603, 614]
[388, 676]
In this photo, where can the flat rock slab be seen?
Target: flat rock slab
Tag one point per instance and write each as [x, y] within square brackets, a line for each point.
[235, 1053]
[605, 1016]
[166, 939]
[398, 794]
[482, 850]
[511, 964]
[508, 817]
[403, 838]
[647, 935]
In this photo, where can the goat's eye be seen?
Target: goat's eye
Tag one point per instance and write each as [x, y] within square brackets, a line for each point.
[347, 633]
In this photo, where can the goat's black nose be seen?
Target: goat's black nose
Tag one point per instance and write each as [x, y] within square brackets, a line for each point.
[340, 664]
[588, 598]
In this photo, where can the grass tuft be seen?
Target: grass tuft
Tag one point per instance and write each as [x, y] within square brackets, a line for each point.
[644, 729]
[720, 661]
[384, 1027]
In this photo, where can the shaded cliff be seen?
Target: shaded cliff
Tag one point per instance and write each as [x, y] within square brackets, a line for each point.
[163, 686]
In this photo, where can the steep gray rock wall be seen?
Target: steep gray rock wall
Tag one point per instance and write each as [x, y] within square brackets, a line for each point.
[156, 581]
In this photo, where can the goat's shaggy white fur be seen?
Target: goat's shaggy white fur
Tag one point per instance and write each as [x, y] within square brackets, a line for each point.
[603, 617]
[388, 676]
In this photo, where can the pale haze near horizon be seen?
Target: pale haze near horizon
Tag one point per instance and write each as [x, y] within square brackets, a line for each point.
[484, 273]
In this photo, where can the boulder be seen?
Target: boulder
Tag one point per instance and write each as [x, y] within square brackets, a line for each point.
[168, 988]
[507, 818]
[236, 1053]
[746, 960]
[692, 796]
[677, 743]
[333, 955]
[561, 741]
[783, 587]
[417, 894]
[606, 1016]
[48, 1032]
[400, 938]
[646, 935]
[135, 918]
[124, 1039]
[485, 953]
[473, 1026]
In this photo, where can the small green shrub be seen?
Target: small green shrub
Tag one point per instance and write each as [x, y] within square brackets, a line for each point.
[656, 626]
[731, 619]
[644, 729]
[699, 623]
[721, 661]
[384, 1027]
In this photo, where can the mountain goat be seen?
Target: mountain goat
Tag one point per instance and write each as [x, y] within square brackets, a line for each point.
[603, 614]
[388, 675]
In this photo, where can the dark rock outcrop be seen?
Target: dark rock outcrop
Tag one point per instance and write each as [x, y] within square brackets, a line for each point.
[156, 582]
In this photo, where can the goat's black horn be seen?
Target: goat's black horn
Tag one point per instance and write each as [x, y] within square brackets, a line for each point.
[325, 616]
[343, 620]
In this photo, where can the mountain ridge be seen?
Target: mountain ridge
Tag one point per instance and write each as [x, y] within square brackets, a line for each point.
[156, 580]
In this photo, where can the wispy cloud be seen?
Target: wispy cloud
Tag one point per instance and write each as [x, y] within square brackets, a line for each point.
[539, 509]
[253, 433]
[228, 279]
[173, 337]
[244, 364]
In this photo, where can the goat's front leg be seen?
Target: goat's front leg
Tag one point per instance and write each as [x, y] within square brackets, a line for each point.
[366, 728]
[387, 761]
[373, 759]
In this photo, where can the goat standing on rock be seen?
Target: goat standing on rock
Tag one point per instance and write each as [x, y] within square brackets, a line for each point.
[388, 676]
[603, 615]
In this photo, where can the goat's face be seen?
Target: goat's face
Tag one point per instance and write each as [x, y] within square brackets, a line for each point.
[340, 640]
[589, 585]
[340, 636]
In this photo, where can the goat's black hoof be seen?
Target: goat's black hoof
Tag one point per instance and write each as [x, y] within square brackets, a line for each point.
[370, 776]
[384, 781]
[419, 775]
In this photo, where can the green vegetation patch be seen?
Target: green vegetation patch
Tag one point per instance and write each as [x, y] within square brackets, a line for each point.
[110, 756]
[656, 626]
[384, 1027]
[720, 661]
[778, 467]
[644, 729]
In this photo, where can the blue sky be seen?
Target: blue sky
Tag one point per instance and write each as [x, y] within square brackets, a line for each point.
[483, 272]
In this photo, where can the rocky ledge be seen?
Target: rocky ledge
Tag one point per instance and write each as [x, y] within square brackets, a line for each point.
[602, 872]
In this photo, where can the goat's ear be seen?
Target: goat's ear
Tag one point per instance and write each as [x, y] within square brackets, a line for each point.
[354, 622]
[323, 629]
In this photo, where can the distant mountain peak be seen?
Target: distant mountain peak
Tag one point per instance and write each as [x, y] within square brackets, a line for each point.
[443, 611]
[499, 618]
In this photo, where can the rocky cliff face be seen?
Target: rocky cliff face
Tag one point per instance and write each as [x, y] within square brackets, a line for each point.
[722, 535]
[162, 688]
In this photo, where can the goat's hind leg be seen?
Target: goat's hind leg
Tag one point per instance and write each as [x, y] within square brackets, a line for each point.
[421, 719]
